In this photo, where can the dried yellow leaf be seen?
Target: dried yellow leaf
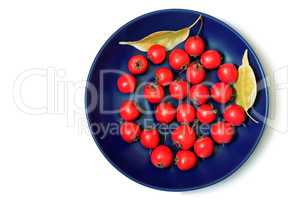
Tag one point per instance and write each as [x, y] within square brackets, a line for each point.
[168, 39]
[245, 85]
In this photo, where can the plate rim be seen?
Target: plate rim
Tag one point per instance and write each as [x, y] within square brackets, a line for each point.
[260, 67]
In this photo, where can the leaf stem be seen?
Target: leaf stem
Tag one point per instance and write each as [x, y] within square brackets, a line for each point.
[252, 118]
[195, 22]
[200, 18]
[201, 26]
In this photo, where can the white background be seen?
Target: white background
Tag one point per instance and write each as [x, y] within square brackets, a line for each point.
[51, 155]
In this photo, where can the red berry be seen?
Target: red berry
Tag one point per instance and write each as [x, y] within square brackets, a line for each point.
[206, 113]
[162, 156]
[211, 59]
[153, 93]
[222, 132]
[149, 138]
[199, 94]
[178, 59]
[228, 73]
[137, 64]
[165, 113]
[163, 76]
[157, 54]
[129, 110]
[204, 147]
[184, 137]
[178, 89]
[185, 113]
[234, 114]
[185, 160]
[129, 131]
[194, 46]
[126, 83]
[195, 73]
[221, 92]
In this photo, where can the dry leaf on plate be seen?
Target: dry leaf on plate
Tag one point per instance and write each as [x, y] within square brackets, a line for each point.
[168, 39]
[245, 86]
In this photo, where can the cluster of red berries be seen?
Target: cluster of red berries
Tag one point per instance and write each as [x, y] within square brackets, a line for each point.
[192, 88]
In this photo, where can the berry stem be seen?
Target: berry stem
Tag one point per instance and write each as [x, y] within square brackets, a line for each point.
[183, 70]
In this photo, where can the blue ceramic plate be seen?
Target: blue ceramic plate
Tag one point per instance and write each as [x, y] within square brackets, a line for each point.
[102, 97]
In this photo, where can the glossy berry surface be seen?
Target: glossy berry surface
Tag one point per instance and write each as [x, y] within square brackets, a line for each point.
[206, 113]
[161, 156]
[178, 59]
[149, 138]
[199, 94]
[157, 54]
[194, 46]
[204, 147]
[228, 73]
[153, 93]
[195, 73]
[185, 160]
[222, 132]
[126, 83]
[129, 111]
[185, 113]
[130, 131]
[221, 92]
[211, 59]
[163, 76]
[234, 114]
[178, 89]
[138, 64]
[165, 113]
[183, 137]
